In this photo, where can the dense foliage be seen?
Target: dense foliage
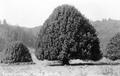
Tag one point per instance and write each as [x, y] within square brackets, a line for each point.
[113, 48]
[15, 52]
[66, 35]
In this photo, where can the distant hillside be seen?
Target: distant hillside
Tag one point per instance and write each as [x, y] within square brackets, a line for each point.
[35, 30]
[106, 29]
[10, 33]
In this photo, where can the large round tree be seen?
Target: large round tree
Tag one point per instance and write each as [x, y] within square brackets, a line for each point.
[66, 35]
[15, 52]
[113, 48]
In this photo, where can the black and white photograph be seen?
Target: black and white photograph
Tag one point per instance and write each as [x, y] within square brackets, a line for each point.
[59, 37]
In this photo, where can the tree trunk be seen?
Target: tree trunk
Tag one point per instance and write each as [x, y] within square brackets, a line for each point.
[65, 62]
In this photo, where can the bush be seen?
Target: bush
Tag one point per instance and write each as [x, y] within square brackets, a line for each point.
[15, 52]
[113, 48]
[66, 35]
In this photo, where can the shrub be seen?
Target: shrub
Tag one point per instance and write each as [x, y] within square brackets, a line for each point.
[66, 35]
[113, 48]
[15, 52]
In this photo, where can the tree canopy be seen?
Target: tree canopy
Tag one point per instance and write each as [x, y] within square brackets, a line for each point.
[66, 35]
[15, 52]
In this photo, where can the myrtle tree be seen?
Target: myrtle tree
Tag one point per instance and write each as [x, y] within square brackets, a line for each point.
[15, 52]
[66, 35]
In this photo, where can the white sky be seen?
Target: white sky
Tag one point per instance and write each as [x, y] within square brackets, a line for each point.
[31, 13]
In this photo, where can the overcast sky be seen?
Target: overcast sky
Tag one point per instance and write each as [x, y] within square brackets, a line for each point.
[31, 13]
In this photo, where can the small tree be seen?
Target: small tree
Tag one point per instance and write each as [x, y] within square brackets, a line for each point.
[16, 52]
[66, 35]
[113, 48]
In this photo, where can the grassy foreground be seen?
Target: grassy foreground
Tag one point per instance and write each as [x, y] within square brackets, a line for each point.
[41, 69]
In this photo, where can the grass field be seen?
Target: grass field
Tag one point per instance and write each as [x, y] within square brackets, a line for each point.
[41, 68]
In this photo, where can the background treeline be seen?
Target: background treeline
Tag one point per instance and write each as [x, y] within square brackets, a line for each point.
[106, 29]
[10, 33]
